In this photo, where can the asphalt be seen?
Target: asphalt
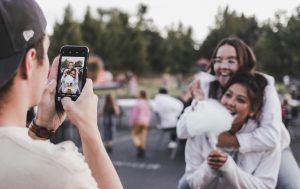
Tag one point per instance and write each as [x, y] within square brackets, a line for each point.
[157, 170]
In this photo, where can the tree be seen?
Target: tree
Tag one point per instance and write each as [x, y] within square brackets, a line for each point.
[68, 32]
[230, 23]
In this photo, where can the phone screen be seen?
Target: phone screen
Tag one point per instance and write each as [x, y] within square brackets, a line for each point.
[71, 73]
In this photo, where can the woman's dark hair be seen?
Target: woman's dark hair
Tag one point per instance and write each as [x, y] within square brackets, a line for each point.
[72, 70]
[245, 56]
[255, 85]
[109, 103]
[143, 94]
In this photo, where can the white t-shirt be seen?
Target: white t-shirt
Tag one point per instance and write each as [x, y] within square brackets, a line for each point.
[34, 164]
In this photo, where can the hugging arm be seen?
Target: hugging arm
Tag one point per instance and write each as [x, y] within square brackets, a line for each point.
[263, 177]
[271, 131]
[198, 173]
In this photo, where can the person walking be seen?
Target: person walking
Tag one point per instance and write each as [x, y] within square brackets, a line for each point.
[140, 120]
[168, 110]
[110, 111]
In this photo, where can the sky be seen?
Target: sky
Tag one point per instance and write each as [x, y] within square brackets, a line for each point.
[200, 15]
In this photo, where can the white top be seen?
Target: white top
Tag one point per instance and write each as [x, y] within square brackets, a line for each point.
[34, 164]
[168, 108]
[271, 131]
[249, 170]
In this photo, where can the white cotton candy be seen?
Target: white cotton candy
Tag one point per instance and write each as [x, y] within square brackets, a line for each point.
[209, 116]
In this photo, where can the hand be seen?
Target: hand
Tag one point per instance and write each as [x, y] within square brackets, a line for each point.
[83, 112]
[196, 90]
[216, 159]
[46, 113]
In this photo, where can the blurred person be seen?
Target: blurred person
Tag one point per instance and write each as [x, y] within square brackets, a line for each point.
[140, 120]
[132, 84]
[286, 112]
[224, 168]
[69, 82]
[168, 110]
[70, 66]
[110, 111]
[97, 72]
[232, 56]
[28, 160]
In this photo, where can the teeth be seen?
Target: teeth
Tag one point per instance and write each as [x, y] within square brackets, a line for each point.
[224, 75]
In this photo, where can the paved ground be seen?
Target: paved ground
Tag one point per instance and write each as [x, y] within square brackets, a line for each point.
[157, 170]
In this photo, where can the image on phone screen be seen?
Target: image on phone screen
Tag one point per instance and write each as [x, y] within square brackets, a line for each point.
[71, 74]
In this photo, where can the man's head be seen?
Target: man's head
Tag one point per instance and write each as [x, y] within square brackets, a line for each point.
[23, 40]
[163, 90]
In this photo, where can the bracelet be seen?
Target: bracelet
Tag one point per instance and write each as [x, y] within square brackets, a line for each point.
[41, 131]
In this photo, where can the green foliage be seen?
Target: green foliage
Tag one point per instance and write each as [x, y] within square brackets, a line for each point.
[123, 45]
[138, 46]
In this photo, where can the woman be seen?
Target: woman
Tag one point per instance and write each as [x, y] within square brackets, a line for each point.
[232, 56]
[139, 120]
[69, 83]
[228, 167]
[110, 111]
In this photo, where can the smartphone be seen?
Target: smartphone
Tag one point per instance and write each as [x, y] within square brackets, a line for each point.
[72, 72]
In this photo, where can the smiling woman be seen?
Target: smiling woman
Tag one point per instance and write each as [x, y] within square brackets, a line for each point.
[271, 132]
[243, 97]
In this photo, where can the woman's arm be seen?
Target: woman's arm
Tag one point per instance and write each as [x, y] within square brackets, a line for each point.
[199, 89]
[198, 173]
[271, 131]
[264, 176]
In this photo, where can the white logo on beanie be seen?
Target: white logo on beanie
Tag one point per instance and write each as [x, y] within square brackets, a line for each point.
[28, 34]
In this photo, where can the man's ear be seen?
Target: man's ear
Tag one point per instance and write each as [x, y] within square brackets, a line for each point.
[29, 61]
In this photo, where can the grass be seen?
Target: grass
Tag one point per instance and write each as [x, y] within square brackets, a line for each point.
[151, 86]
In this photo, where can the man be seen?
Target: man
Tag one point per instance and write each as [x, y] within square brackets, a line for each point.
[27, 160]
[168, 110]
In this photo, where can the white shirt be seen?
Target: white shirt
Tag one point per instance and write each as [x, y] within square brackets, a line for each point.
[34, 164]
[251, 169]
[168, 109]
[271, 131]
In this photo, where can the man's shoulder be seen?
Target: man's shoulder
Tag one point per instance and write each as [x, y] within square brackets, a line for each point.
[46, 162]
[63, 156]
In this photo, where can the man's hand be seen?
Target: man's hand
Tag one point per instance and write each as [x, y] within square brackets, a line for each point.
[216, 159]
[46, 114]
[83, 112]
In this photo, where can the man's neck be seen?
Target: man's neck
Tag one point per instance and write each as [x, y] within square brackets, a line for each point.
[13, 109]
